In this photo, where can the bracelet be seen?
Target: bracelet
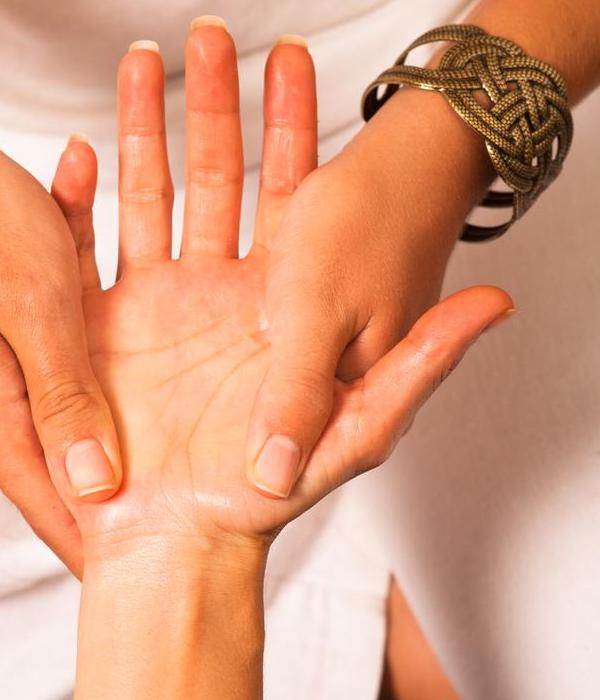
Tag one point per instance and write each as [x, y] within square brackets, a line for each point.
[528, 127]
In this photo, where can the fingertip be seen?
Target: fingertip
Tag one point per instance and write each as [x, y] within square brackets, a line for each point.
[78, 138]
[290, 60]
[140, 81]
[74, 183]
[265, 491]
[290, 86]
[292, 40]
[500, 319]
[144, 45]
[97, 494]
[495, 295]
[207, 21]
[477, 307]
[493, 303]
[210, 42]
[139, 65]
[79, 150]
[211, 74]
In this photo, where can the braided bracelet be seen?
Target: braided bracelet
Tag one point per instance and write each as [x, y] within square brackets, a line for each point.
[527, 130]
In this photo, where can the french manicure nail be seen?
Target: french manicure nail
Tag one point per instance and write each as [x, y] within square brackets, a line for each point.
[293, 39]
[277, 466]
[88, 468]
[78, 138]
[208, 21]
[145, 44]
[500, 319]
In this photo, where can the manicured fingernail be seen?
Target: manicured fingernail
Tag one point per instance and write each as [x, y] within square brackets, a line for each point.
[88, 468]
[293, 39]
[277, 466]
[145, 44]
[509, 313]
[78, 138]
[208, 21]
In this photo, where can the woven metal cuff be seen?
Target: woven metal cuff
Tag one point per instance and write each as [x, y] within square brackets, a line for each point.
[527, 128]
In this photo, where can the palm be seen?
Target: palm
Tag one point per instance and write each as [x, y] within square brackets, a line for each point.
[180, 350]
[180, 346]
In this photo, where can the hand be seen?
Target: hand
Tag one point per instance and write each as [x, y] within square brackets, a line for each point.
[360, 255]
[49, 396]
[181, 346]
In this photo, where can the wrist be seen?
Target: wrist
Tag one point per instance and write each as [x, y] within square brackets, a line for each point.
[170, 619]
[111, 554]
[421, 153]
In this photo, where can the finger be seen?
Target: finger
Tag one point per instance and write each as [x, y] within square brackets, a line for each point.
[24, 477]
[214, 158]
[290, 131]
[44, 326]
[73, 188]
[145, 187]
[41, 318]
[376, 411]
[295, 398]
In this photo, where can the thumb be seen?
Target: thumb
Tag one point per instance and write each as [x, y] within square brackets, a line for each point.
[42, 320]
[70, 414]
[295, 399]
[396, 387]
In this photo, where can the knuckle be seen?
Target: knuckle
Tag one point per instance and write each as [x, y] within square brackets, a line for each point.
[446, 370]
[86, 243]
[309, 386]
[132, 134]
[378, 453]
[433, 353]
[276, 182]
[147, 195]
[384, 447]
[65, 402]
[210, 177]
[380, 439]
[307, 378]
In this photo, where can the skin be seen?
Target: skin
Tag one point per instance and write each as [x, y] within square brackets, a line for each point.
[180, 348]
[414, 672]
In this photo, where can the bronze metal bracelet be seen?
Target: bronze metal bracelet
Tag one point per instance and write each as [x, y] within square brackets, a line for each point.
[527, 128]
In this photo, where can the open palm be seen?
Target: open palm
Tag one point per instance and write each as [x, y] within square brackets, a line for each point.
[180, 347]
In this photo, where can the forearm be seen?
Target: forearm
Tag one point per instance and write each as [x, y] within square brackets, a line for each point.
[173, 623]
[564, 34]
[421, 154]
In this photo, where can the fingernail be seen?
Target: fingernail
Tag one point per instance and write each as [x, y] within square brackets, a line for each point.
[78, 138]
[208, 21]
[277, 465]
[145, 44]
[88, 468]
[293, 39]
[500, 319]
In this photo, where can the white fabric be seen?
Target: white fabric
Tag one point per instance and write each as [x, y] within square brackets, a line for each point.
[487, 514]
